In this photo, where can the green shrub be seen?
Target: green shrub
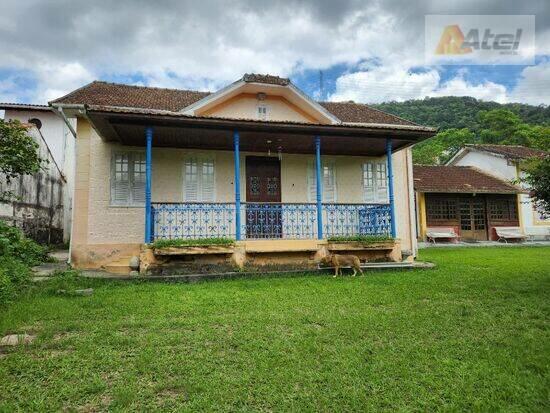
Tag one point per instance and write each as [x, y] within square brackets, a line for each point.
[14, 277]
[15, 245]
[17, 255]
[199, 242]
[365, 239]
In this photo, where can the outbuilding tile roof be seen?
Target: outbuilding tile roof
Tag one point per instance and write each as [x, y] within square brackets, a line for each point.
[459, 179]
[99, 93]
[510, 151]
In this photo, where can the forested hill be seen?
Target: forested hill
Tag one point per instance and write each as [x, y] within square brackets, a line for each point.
[460, 112]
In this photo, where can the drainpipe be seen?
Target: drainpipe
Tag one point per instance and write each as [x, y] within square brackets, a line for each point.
[57, 108]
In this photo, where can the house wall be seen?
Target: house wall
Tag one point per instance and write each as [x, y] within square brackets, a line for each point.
[61, 144]
[245, 106]
[103, 233]
[37, 207]
[500, 167]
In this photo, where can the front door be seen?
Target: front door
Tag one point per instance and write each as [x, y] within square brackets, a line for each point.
[263, 197]
[473, 219]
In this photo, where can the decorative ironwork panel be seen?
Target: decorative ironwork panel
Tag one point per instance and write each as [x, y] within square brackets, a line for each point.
[193, 220]
[267, 220]
[356, 219]
[275, 220]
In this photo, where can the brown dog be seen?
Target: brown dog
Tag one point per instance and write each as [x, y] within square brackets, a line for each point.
[337, 261]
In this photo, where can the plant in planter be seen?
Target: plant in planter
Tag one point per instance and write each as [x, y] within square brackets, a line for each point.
[361, 239]
[198, 242]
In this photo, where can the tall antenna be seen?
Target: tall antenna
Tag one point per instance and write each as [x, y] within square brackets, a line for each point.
[321, 86]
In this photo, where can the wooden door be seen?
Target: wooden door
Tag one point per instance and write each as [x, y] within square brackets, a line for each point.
[473, 219]
[263, 197]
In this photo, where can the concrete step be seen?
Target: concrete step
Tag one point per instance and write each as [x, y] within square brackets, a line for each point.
[47, 269]
[60, 255]
[121, 266]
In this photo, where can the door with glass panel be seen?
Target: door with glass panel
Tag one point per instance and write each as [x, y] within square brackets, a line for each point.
[473, 218]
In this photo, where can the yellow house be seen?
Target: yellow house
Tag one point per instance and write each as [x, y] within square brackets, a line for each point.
[258, 161]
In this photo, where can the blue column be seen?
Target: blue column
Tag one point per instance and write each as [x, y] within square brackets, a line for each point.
[236, 142]
[148, 161]
[319, 180]
[390, 188]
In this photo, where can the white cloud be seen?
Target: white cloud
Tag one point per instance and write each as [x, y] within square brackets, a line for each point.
[533, 86]
[206, 44]
[384, 83]
[55, 81]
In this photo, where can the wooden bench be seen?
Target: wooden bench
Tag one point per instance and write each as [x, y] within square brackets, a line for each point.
[441, 233]
[506, 233]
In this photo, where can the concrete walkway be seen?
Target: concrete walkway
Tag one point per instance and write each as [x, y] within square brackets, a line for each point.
[59, 263]
[441, 244]
[257, 274]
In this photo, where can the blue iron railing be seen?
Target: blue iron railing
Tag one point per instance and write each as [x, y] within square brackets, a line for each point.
[274, 220]
[193, 220]
[356, 219]
[267, 220]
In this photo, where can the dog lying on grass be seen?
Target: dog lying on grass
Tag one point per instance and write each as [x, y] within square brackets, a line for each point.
[337, 261]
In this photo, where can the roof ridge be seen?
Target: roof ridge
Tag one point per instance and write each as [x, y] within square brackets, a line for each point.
[104, 82]
[147, 87]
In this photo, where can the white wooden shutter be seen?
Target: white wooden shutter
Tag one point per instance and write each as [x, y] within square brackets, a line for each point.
[368, 182]
[191, 180]
[329, 183]
[120, 179]
[311, 183]
[138, 175]
[207, 180]
[375, 182]
[381, 182]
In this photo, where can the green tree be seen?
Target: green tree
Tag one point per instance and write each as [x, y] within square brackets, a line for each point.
[538, 179]
[18, 153]
[442, 147]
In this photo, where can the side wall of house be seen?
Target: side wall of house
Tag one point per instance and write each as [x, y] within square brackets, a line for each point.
[530, 220]
[103, 233]
[38, 204]
[61, 144]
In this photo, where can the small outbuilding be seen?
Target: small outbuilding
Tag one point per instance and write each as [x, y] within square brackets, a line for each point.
[465, 199]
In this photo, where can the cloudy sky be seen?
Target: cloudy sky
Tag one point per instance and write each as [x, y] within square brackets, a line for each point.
[369, 51]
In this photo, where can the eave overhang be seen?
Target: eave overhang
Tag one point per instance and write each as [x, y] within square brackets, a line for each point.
[175, 129]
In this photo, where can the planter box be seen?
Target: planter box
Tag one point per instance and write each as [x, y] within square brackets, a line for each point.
[360, 246]
[195, 250]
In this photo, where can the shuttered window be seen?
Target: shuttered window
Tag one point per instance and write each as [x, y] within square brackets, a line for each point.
[375, 182]
[128, 179]
[198, 180]
[329, 182]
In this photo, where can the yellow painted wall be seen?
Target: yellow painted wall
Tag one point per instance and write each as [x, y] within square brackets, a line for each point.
[244, 106]
[97, 223]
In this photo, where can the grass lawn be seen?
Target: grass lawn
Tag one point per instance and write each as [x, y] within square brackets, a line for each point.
[472, 334]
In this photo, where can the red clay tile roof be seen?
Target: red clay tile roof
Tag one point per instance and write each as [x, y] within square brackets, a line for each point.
[459, 179]
[119, 95]
[360, 113]
[509, 151]
[115, 94]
